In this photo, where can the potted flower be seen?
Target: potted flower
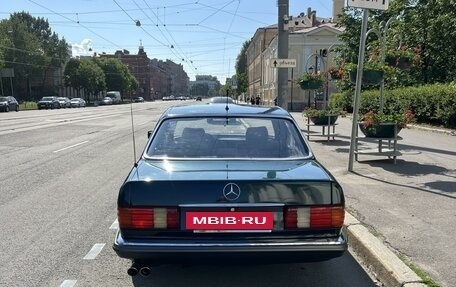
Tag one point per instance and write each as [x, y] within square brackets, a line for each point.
[373, 72]
[311, 81]
[322, 117]
[403, 57]
[380, 125]
[335, 73]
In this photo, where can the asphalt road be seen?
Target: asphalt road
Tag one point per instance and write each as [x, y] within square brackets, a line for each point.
[60, 171]
[410, 205]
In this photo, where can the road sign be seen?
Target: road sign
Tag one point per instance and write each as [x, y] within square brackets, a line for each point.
[234, 84]
[283, 63]
[369, 4]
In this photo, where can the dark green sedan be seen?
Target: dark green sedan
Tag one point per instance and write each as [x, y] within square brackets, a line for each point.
[228, 183]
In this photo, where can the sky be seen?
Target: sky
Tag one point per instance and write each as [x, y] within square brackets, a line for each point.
[205, 36]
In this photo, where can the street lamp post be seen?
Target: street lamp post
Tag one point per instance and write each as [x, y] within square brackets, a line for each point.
[382, 33]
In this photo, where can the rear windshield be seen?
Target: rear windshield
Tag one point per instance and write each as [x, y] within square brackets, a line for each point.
[232, 137]
[47, 99]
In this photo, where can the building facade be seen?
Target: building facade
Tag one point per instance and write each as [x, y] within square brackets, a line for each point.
[307, 35]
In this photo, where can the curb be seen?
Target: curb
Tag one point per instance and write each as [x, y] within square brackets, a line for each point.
[380, 261]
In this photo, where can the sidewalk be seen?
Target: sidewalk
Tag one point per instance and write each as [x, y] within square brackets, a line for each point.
[409, 206]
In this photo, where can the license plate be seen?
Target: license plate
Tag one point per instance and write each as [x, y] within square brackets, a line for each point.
[214, 220]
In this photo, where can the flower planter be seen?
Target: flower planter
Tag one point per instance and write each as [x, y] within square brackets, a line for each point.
[370, 77]
[311, 84]
[335, 76]
[383, 130]
[324, 120]
[402, 63]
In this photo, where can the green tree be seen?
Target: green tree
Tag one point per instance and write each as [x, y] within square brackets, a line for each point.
[84, 74]
[33, 51]
[427, 27]
[242, 69]
[117, 74]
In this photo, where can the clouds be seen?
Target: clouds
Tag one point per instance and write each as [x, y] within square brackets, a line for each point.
[82, 49]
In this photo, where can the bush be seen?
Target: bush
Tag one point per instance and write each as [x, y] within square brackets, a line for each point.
[27, 106]
[432, 104]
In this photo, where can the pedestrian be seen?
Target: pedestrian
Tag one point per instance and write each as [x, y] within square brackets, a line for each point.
[257, 100]
[252, 100]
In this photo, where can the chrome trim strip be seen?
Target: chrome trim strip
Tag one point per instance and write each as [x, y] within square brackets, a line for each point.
[322, 243]
[233, 205]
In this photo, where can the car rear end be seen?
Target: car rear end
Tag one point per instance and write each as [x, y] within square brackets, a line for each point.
[229, 186]
[193, 221]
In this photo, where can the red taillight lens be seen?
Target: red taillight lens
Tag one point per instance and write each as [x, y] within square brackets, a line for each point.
[147, 218]
[172, 218]
[291, 218]
[314, 217]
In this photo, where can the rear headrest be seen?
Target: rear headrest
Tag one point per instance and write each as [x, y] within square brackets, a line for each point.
[258, 134]
[193, 133]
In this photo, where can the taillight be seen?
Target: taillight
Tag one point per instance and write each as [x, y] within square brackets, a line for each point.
[314, 217]
[148, 218]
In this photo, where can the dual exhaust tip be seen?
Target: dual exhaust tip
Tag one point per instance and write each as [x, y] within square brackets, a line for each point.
[144, 271]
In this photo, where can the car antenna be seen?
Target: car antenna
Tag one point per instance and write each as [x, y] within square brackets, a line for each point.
[135, 164]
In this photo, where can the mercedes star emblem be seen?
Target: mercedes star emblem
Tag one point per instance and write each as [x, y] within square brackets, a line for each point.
[231, 191]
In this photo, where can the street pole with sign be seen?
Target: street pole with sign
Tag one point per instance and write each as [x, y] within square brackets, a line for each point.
[366, 5]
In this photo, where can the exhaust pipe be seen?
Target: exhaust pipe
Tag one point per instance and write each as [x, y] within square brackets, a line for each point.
[133, 270]
[144, 271]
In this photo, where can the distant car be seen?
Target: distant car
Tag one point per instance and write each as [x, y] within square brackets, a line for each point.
[182, 98]
[8, 104]
[64, 102]
[215, 100]
[106, 101]
[138, 100]
[48, 103]
[77, 103]
[199, 98]
[221, 183]
[115, 97]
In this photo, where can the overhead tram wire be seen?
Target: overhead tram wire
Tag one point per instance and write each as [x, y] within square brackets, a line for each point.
[83, 26]
[229, 29]
[239, 16]
[145, 31]
[189, 62]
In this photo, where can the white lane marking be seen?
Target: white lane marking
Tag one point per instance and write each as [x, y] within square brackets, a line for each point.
[93, 253]
[68, 283]
[114, 225]
[71, 146]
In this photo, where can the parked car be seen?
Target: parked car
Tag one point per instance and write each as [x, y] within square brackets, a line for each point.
[106, 101]
[115, 97]
[8, 103]
[48, 103]
[138, 100]
[223, 183]
[77, 103]
[64, 102]
[199, 99]
[215, 100]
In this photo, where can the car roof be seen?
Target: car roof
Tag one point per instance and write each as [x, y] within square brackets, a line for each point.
[219, 109]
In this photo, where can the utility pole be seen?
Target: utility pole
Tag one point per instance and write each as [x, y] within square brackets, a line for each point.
[282, 51]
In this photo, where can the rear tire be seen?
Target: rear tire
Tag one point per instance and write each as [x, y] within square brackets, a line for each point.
[17, 108]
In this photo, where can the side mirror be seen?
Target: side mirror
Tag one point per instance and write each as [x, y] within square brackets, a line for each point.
[149, 133]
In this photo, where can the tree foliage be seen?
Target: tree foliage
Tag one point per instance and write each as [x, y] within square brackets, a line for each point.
[84, 74]
[242, 69]
[117, 74]
[426, 27]
[31, 48]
